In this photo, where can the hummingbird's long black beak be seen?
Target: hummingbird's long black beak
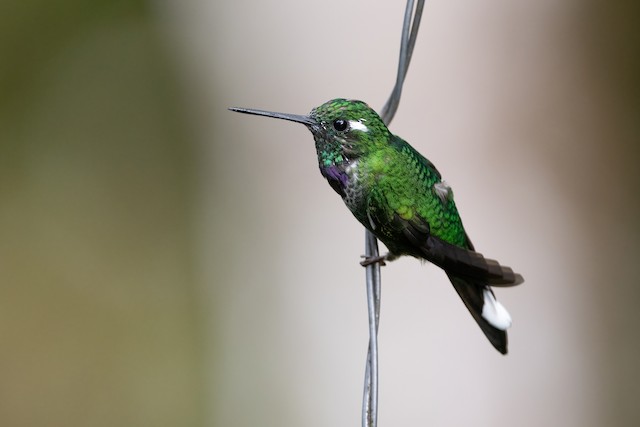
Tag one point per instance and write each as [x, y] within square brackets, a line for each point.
[305, 120]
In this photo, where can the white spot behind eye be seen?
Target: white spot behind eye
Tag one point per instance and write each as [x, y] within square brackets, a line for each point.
[353, 124]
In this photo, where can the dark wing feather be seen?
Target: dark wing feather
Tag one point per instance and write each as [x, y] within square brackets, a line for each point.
[454, 259]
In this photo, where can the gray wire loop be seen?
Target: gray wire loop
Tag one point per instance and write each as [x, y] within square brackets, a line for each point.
[370, 395]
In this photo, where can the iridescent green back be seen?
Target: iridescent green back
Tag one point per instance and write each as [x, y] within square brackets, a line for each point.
[402, 181]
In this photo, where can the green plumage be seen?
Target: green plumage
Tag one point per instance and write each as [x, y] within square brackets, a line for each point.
[394, 179]
[401, 183]
[400, 197]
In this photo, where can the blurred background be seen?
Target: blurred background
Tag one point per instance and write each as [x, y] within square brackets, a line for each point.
[166, 262]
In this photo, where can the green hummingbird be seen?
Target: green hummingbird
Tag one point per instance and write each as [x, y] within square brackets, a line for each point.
[399, 195]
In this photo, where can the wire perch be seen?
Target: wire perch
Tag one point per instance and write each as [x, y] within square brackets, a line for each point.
[410, 27]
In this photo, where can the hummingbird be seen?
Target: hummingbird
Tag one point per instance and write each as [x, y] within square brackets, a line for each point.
[399, 195]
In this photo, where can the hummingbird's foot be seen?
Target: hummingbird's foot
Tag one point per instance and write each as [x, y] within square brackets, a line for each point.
[368, 260]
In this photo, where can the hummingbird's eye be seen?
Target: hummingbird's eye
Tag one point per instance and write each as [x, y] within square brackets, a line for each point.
[340, 125]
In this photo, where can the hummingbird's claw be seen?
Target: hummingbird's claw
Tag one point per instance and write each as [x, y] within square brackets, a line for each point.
[368, 260]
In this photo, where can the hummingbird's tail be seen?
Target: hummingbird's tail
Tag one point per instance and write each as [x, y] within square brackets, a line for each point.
[472, 275]
[491, 316]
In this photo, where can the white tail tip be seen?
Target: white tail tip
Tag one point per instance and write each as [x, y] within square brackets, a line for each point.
[494, 312]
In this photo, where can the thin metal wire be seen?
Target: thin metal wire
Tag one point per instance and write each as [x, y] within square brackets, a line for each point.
[407, 43]
[370, 394]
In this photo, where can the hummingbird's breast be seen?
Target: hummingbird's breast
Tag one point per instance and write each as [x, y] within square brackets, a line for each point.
[345, 179]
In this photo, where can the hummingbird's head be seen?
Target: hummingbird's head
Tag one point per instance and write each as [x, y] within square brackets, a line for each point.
[351, 124]
[343, 129]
